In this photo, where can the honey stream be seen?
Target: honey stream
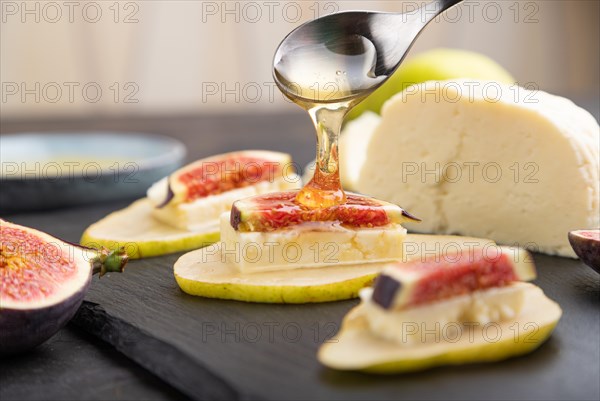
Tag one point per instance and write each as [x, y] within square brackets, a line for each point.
[327, 80]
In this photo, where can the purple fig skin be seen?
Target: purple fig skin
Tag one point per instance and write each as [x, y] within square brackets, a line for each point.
[170, 196]
[410, 216]
[588, 249]
[23, 329]
[235, 218]
[385, 289]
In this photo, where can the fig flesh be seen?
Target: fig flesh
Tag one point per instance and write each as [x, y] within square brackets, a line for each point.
[438, 277]
[43, 282]
[279, 210]
[586, 244]
[221, 173]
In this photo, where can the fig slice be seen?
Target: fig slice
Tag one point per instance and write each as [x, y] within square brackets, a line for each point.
[586, 244]
[43, 282]
[220, 173]
[181, 211]
[142, 236]
[355, 347]
[206, 272]
[274, 211]
[438, 277]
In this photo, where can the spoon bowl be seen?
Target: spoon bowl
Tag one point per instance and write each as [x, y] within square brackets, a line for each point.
[365, 46]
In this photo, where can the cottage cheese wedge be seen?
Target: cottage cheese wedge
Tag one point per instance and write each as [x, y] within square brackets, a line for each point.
[440, 320]
[309, 246]
[484, 159]
[204, 213]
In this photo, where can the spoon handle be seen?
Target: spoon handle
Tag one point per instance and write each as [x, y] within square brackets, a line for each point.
[439, 6]
[420, 17]
[448, 3]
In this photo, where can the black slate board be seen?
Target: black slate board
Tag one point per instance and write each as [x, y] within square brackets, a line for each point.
[281, 364]
[76, 366]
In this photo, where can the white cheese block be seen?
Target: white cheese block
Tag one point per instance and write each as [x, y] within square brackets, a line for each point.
[443, 320]
[484, 159]
[203, 213]
[309, 246]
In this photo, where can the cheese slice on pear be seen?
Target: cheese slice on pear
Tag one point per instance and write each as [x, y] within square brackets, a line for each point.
[208, 272]
[300, 247]
[444, 318]
[205, 212]
[272, 232]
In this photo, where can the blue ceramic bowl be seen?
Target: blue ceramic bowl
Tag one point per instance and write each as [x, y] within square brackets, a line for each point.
[49, 170]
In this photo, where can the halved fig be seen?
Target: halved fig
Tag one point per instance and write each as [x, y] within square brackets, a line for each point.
[208, 273]
[355, 347]
[279, 210]
[458, 272]
[586, 244]
[220, 173]
[182, 211]
[43, 282]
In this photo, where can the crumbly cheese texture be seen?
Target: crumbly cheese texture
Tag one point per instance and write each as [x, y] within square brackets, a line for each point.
[484, 159]
[443, 320]
[203, 213]
[309, 246]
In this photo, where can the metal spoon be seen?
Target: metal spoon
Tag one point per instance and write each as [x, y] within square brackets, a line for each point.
[391, 34]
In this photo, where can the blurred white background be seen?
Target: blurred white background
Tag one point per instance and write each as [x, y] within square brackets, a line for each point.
[83, 58]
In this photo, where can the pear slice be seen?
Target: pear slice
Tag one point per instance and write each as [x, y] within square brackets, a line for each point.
[355, 347]
[143, 236]
[206, 272]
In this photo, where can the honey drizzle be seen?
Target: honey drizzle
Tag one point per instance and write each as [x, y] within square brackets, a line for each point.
[325, 188]
[327, 79]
